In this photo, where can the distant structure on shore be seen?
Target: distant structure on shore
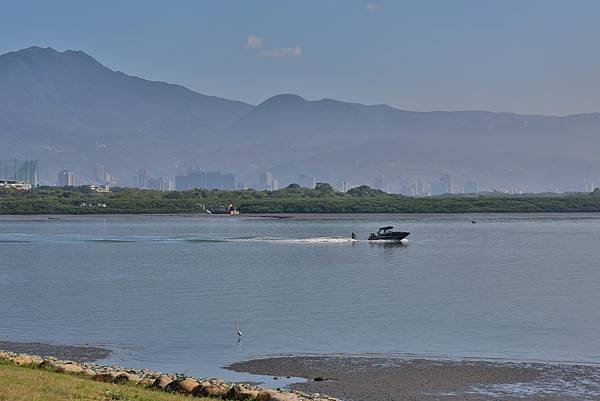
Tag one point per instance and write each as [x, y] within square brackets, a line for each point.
[17, 185]
[195, 178]
[143, 180]
[26, 171]
[266, 182]
[102, 189]
[66, 178]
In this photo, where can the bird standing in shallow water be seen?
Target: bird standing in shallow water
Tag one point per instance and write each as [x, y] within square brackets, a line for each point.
[239, 332]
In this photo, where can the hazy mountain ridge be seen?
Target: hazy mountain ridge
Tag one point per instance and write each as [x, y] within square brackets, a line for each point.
[68, 104]
[69, 111]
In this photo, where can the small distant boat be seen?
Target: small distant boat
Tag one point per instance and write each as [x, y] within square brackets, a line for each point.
[386, 234]
[230, 210]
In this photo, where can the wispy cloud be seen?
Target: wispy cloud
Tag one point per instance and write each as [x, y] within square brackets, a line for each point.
[371, 7]
[253, 42]
[294, 51]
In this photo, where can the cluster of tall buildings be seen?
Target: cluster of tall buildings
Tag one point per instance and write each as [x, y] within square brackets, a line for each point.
[266, 182]
[197, 178]
[103, 177]
[25, 174]
[404, 185]
[66, 178]
[143, 180]
[23, 171]
[412, 186]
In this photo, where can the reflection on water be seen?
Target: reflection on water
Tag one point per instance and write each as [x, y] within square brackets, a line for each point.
[166, 291]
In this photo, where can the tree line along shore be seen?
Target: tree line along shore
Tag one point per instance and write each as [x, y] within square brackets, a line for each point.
[293, 199]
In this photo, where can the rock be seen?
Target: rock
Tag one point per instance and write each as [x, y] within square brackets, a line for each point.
[24, 359]
[284, 397]
[162, 381]
[146, 381]
[70, 368]
[241, 393]
[272, 395]
[104, 377]
[208, 389]
[130, 377]
[185, 386]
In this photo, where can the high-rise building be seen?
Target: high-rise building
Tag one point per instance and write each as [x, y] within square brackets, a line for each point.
[439, 188]
[229, 183]
[20, 170]
[141, 179]
[182, 183]
[422, 188]
[344, 186]
[168, 185]
[265, 181]
[214, 180]
[66, 178]
[194, 178]
[447, 181]
[100, 175]
[155, 183]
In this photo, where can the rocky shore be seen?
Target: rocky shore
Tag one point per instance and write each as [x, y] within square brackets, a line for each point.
[199, 387]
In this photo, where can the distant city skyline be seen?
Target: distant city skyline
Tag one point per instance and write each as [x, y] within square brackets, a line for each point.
[413, 55]
[416, 186]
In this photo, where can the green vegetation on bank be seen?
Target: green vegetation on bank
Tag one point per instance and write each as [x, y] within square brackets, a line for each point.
[293, 199]
[19, 383]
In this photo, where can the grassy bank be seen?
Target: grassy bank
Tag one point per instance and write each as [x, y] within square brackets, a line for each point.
[27, 384]
[294, 199]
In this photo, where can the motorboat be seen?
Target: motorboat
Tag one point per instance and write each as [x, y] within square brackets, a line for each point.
[386, 234]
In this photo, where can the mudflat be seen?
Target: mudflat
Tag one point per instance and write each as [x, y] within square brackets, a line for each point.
[396, 379]
[68, 352]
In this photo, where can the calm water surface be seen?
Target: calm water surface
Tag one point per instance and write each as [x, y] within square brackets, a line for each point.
[166, 291]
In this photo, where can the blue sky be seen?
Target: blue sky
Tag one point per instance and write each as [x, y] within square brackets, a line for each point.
[526, 56]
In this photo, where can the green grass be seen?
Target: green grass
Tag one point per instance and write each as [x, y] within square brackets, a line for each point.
[30, 384]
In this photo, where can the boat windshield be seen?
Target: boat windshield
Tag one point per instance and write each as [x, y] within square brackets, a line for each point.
[384, 230]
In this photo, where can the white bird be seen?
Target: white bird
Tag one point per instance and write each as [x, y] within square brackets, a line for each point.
[239, 333]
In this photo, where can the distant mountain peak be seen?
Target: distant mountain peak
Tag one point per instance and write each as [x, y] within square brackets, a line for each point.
[37, 50]
[284, 98]
[47, 53]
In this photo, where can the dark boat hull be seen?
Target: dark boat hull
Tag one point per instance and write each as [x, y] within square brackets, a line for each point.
[395, 236]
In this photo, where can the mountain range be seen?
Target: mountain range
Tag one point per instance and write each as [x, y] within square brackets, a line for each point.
[69, 111]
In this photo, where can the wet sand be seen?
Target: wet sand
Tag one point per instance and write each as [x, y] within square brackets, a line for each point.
[394, 379]
[67, 352]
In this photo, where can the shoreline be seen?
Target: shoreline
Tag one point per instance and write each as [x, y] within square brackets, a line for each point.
[146, 378]
[583, 214]
[374, 378]
[346, 377]
[75, 353]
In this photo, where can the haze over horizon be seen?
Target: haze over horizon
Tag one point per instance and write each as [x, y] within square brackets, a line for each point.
[461, 55]
[410, 97]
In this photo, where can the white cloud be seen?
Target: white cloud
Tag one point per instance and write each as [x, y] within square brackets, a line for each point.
[295, 51]
[371, 7]
[253, 42]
